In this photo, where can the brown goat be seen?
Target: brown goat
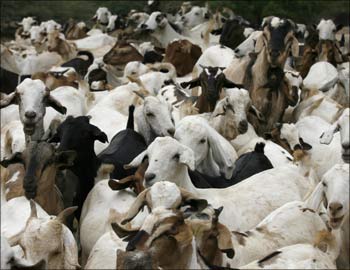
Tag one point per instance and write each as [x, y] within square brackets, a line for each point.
[183, 55]
[265, 77]
[42, 162]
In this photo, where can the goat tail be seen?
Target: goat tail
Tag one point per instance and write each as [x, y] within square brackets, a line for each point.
[130, 123]
[88, 54]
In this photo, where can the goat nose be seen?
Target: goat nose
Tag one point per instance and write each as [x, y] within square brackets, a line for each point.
[275, 53]
[335, 207]
[149, 176]
[171, 131]
[143, 26]
[30, 114]
[297, 147]
[243, 126]
[236, 50]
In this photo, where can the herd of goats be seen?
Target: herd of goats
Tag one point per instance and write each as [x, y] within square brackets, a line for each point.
[193, 140]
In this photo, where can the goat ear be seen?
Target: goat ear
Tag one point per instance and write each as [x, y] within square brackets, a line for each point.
[94, 18]
[230, 84]
[295, 47]
[54, 103]
[314, 200]
[8, 100]
[193, 83]
[187, 158]
[327, 136]
[135, 208]
[62, 216]
[260, 43]
[224, 241]
[14, 158]
[18, 264]
[65, 158]
[305, 145]
[221, 153]
[136, 161]
[99, 135]
[189, 198]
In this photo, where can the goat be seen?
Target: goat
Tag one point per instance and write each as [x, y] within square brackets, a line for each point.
[169, 160]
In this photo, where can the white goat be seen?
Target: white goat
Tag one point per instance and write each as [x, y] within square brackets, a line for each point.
[214, 155]
[169, 160]
[333, 191]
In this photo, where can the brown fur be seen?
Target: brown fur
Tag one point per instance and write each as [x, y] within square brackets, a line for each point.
[62, 47]
[74, 32]
[121, 54]
[183, 55]
[52, 82]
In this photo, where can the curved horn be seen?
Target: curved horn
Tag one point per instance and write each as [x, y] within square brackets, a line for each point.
[136, 206]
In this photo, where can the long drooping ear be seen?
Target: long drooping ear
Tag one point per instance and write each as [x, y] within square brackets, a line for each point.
[189, 198]
[20, 264]
[295, 47]
[99, 134]
[230, 84]
[135, 208]
[193, 83]
[224, 240]
[136, 161]
[14, 158]
[222, 152]
[54, 103]
[187, 157]
[305, 145]
[62, 217]
[122, 231]
[260, 43]
[65, 158]
[8, 100]
[315, 199]
[327, 136]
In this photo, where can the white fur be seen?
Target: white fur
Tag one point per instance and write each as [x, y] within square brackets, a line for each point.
[245, 204]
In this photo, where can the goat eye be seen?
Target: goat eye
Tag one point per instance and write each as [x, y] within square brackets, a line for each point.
[202, 141]
[324, 184]
[176, 156]
[150, 114]
[197, 14]
[173, 230]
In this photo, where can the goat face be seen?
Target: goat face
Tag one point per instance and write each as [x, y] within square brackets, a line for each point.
[326, 30]
[32, 98]
[165, 237]
[27, 23]
[335, 187]
[212, 238]
[156, 20]
[102, 15]
[212, 80]
[9, 260]
[341, 125]
[121, 54]
[158, 116]
[41, 162]
[53, 41]
[193, 17]
[167, 160]
[78, 134]
[49, 240]
[279, 40]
